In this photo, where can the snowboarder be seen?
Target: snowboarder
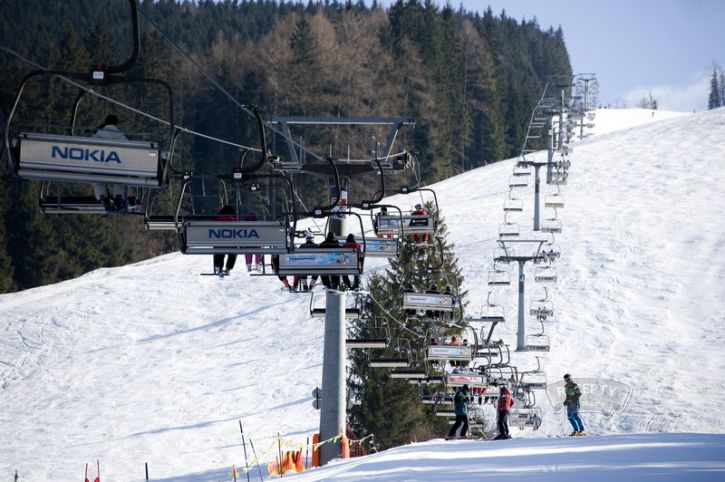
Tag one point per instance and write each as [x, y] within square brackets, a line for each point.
[573, 393]
[460, 407]
[505, 402]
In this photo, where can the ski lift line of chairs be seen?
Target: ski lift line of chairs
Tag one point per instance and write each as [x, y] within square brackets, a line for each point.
[77, 159]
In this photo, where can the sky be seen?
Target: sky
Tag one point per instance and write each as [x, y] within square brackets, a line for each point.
[665, 47]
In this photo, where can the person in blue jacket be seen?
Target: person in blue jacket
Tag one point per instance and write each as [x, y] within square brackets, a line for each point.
[460, 407]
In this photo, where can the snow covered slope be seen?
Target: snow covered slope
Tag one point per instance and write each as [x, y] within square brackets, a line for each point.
[153, 363]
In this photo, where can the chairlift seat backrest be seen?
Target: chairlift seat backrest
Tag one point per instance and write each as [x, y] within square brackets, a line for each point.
[160, 223]
[233, 237]
[408, 374]
[72, 205]
[381, 247]
[458, 380]
[428, 301]
[365, 343]
[321, 261]
[449, 352]
[89, 159]
[412, 224]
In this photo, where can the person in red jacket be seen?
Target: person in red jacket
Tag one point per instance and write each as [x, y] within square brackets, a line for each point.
[350, 242]
[416, 238]
[505, 402]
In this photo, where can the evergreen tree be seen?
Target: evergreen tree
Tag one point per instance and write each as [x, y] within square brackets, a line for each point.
[714, 100]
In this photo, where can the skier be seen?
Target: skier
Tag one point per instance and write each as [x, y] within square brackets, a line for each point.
[505, 402]
[573, 393]
[226, 213]
[460, 406]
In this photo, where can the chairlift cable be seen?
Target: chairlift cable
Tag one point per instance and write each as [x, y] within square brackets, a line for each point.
[387, 313]
[128, 107]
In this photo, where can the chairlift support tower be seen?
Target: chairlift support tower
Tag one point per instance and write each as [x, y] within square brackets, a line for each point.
[535, 256]
[333, 404]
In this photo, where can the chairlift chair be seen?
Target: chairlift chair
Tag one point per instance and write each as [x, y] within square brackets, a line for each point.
[550, 251]
[545, 274]
[318, 309]
[551, 225]
[490, 313]
[513, 205]
[538, 342]
[518, 181]
[522, 170]
[554, 201]
[525, 418]
[129, 160]
[503, 255]
[499, 277]
[508, 229]
[542, 309]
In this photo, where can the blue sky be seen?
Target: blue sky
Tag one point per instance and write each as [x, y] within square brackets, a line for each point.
[638, 46]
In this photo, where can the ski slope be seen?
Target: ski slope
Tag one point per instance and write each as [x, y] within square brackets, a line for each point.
[153, 363]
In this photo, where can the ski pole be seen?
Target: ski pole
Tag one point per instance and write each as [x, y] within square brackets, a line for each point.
[254, 452]
[279, 449]
[244, 445]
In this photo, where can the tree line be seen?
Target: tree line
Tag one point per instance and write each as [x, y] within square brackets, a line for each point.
[468, 79]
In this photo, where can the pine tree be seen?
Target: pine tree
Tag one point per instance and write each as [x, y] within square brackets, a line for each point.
[391, 408]
[714, 101]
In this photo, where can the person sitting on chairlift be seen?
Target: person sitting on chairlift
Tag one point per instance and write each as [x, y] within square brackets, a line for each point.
[112, 195]
[419, 238]
[433, 289]
[226, 213]
[301, 282]
[352, 243]
[331, 282]
[258, 258]
[376, 222]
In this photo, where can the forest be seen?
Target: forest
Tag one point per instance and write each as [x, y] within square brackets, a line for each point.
[469, 81]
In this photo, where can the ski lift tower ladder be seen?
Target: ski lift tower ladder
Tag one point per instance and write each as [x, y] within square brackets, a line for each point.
[536, 255]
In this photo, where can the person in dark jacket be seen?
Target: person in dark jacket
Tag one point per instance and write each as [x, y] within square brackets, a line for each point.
[301, 282]
[505, 402]
[460, 407]
[573, 393]
[226, 213]
[352, 243]
[330, 242]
